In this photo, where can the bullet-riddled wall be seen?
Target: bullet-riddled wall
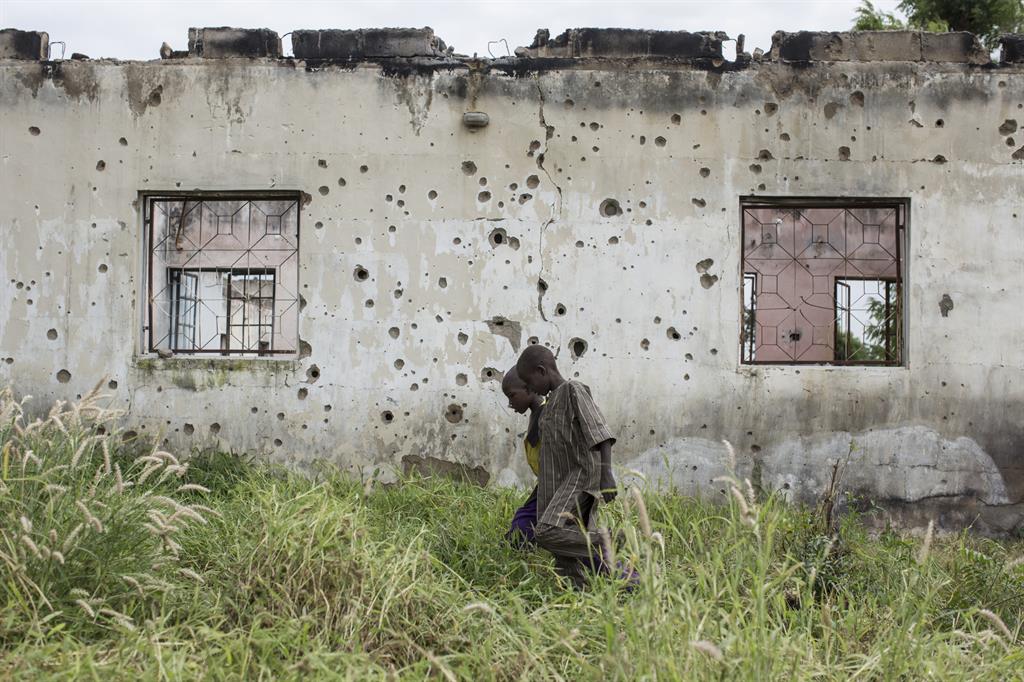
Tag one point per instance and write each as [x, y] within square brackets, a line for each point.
[598, 212]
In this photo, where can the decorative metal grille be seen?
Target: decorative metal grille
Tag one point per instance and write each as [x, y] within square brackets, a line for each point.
[223, 275]
[822, 285]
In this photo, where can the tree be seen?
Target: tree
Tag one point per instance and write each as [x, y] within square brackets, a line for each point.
[987, 19]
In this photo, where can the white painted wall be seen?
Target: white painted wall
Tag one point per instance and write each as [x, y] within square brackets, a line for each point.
[941, 436]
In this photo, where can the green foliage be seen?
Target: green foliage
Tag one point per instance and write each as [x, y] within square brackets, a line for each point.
[326, 577]
[987, 19]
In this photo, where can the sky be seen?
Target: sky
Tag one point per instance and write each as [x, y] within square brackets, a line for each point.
[135, 29]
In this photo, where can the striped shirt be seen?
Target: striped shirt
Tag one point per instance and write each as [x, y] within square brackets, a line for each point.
[570, 426]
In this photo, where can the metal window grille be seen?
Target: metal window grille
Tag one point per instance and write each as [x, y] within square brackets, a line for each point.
[823, 284]
[222, 274]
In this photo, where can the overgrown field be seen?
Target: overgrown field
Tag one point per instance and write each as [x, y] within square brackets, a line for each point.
[118, 563]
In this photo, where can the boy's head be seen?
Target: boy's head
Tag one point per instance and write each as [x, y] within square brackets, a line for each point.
[537, 369]
[519, 396]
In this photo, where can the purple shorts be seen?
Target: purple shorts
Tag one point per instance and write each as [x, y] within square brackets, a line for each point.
[522, 533]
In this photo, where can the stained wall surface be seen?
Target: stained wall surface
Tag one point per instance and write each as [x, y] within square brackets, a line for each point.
[477, 242]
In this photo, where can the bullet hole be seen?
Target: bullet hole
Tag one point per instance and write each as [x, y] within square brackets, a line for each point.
[63, 376]
[939, 159]
[469, 168]
[322, 163]
[569, 104]
[369, 303]
[155, 97]
[361, 274]
[714, 351]
[645, 344]
[844, 153]
[577, 348]
[755, 168]
[483, 197]
[770, 108]
[765, 155]
[830, 109]
[705, 172]
[280, 416]
[707, 281]
[214, 428]
[305, 350]
[278, 442]
[532, 182]
[686, 377]
[613, 240]
[524, 197]
[945, 305]
[188, 429]
[579, 244]
[364, 169]
[399, 363]
[497, 237]
[534, 146]
[324, 190]
[673, 334]
[491, 374]
[101, 165]
[643, 139]
[102, 267]
[676, 119]
[594, 125]
[312, 374]
[699, 203]
[660, 141]
[610, 208]
[432, 194]
[51, 334]
[123, 142]
[254, 409]
[389, 198]
[1008, 127]
[32, 130]
[461, 379]
[302, 393]
[341, 182]
[940, 123]
[454, 413]
[319, 225]
[387, 416]
[442, 282]
[1018, 155]
[533, 341]
[463, 338]
[112, 385]
[559, 310]
[1010, 142]
[394, 332]
[784, 137]
[657, 319]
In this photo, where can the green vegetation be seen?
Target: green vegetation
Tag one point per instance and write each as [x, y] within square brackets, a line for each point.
[987, 19]
[126, 563]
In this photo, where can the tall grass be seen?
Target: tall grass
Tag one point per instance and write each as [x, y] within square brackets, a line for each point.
[220, 568]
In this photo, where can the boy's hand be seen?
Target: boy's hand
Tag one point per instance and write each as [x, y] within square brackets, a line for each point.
[609, 489]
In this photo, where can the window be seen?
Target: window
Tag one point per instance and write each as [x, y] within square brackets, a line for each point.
[222, 274]
[823, 282]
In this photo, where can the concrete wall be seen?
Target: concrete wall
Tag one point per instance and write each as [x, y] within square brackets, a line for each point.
[674, 142]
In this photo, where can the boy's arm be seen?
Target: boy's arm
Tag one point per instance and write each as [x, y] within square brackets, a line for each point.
[609, 489]
[598, 436]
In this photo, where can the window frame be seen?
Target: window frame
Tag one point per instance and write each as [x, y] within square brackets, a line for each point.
[146, 313]
[902, 207]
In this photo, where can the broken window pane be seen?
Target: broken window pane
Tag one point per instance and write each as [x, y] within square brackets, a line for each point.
[223, 275]
[822, 284]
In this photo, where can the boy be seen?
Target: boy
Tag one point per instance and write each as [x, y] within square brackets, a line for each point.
[522, 532]
[575, 466]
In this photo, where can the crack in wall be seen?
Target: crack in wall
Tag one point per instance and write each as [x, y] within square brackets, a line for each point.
[556, 209]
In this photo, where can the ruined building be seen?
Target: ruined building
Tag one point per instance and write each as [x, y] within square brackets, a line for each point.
[815, 252]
